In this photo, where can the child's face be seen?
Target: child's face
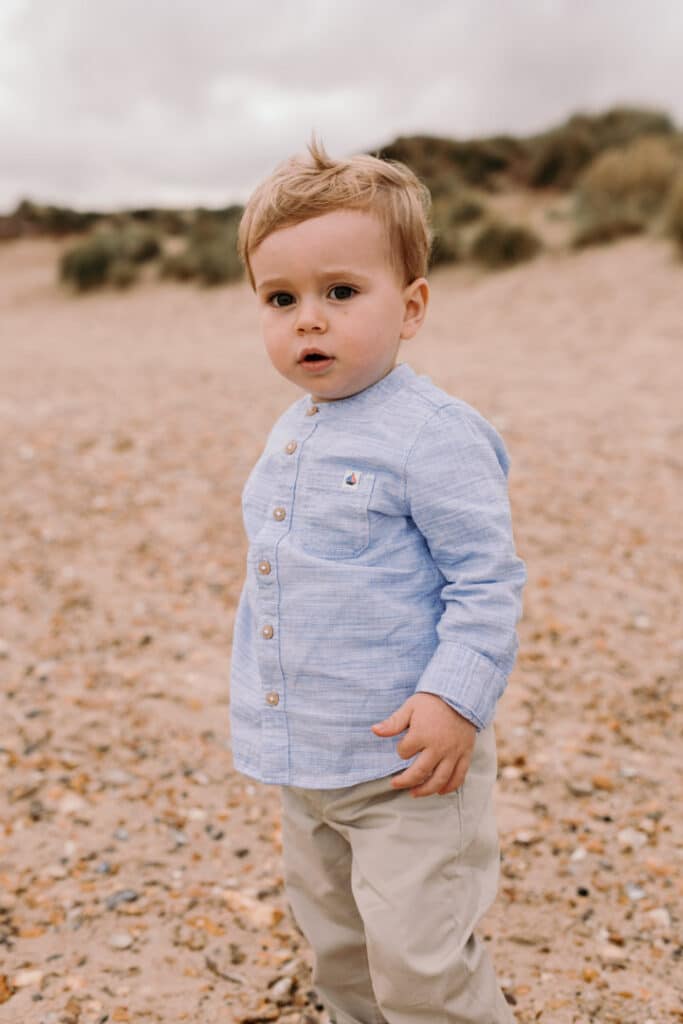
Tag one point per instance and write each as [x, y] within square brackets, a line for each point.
[333, 310]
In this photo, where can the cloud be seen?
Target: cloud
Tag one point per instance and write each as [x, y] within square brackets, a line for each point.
[117, 102]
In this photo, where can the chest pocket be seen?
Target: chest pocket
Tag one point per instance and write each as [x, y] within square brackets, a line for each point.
[331, 517]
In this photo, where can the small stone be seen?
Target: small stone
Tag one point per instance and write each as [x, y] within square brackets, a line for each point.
[634, 892]
[120, 940]
[27, 978]
[660, 917]
[117, 777]
[526, 838]
[579, 854]
[122, 896]
[4, 649]
[631, 838]
[71, 803]
[281, 990]
[603, 782]
[121, 834]
[642, 622]
[103, 868]
[612, 954]
[579, 787]
[56, 871]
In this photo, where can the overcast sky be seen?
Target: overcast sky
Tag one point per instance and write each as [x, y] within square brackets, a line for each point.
[115, 103]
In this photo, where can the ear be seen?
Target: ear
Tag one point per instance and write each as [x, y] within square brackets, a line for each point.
[415, 301]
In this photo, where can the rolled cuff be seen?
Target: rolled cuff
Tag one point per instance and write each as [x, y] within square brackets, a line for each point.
[469, 682]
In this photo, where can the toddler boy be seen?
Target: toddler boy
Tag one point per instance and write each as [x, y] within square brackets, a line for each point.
[377, 621]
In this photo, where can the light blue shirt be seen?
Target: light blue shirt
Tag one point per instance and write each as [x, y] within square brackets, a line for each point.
[381, 563]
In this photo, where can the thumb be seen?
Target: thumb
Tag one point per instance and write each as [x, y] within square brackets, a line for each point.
[395, 723]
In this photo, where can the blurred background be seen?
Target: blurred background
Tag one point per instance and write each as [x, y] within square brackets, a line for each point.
[117, 106]
[140, 875]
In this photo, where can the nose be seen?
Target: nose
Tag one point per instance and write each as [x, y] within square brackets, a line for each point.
[310, 317]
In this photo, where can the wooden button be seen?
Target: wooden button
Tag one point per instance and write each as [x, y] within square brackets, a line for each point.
[312, 410]
[272, 698]
[290, 448]
[267, 632]
[279, 513]
[264, 567]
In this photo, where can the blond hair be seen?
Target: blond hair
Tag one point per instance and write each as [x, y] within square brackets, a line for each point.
[309, 186]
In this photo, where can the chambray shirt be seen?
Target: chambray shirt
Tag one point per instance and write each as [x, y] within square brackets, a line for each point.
[381, 563]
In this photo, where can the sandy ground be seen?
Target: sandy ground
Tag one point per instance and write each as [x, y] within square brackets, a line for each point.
[140, 877]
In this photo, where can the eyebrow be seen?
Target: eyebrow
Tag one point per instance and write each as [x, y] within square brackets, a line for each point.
[332, 273]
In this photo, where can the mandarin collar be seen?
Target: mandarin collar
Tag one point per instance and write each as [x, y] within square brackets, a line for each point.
[380, 391]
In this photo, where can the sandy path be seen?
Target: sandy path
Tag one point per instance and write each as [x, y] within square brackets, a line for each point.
[139, 875]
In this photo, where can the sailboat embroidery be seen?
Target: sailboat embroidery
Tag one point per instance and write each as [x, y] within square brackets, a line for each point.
[351, 478]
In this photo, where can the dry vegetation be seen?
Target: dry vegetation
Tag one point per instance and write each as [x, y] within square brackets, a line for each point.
[620, 169]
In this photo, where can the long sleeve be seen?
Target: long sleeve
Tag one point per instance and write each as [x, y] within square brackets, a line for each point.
[456, 488]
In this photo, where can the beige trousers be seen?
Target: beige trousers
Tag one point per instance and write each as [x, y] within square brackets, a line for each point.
[388, 888]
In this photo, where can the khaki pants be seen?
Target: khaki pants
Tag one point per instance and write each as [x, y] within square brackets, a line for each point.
[388, 888]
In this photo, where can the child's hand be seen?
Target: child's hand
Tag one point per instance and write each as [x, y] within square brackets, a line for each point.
[443, 739]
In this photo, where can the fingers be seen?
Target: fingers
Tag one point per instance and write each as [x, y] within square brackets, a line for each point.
[417, 774]
[434, 784]
[396, 723]
[457, 777]
[424, 777]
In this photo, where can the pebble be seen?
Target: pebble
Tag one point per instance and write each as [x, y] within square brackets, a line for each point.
[660, 916]
[117, 777]
[280, 990]
[631, 838]
[71, 803]
[4, 649]
[120, 940]
[122, 896]
[526, 838]
[121, 834]
[26, 978]
[579, 787]
[634, 892]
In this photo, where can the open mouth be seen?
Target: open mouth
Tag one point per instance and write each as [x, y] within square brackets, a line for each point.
[314, 360]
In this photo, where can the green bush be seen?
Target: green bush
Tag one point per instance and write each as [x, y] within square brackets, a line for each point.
[139, 243]
[623, 189]
[499, 245]
[210, 255]
[179, 266]
[87, 265]
[123, 273]
[559, 156]
[673, 216]
[109, 256]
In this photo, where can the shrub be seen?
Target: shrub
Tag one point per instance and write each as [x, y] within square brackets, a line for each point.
[138, 243]
[180, 266]
[474, 161]
[452, 211]
[122, 273]
[673, 215]
[623, 189]
[87, 265]
[559, 156]
[499, 244]
[211, 251]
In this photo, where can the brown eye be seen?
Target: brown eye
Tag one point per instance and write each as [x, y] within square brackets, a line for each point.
[343, 291]
[280, 300]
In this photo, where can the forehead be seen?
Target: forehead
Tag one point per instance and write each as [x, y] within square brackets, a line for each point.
[354, 238]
